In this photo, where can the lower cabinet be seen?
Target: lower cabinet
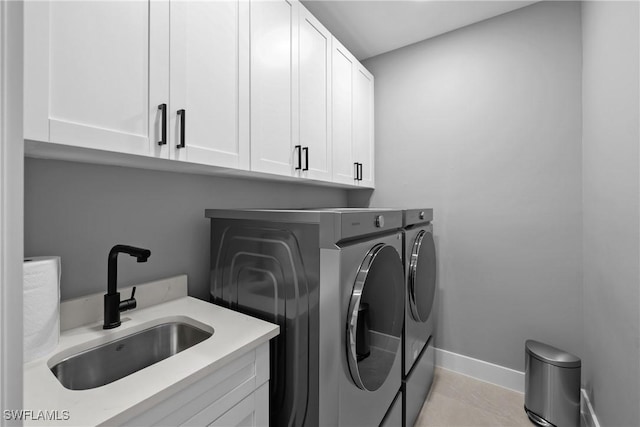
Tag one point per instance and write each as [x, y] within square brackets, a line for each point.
[235, 395]
[252, 411]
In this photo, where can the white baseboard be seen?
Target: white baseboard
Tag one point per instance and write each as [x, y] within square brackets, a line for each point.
[587, 411]
[481, 370]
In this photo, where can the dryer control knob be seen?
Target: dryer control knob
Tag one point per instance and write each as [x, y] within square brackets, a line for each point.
[380, 221]
[421, 215]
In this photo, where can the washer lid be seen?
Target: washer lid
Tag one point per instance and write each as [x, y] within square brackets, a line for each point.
[552, 355]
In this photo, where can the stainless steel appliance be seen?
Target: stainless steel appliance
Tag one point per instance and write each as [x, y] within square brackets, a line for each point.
[419, 256]
[551, 385]
[318, 273]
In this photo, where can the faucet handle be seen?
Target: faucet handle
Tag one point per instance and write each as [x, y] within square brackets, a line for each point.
[129, 304]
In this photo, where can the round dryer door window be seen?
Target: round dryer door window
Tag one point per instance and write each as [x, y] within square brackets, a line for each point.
[422, 276]
[374, 321]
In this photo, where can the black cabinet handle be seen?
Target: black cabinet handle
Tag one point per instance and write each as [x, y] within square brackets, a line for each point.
[360, 173]
[306, 157]
[298, 149]
[355, 175]
[182, 115]
[163, 131]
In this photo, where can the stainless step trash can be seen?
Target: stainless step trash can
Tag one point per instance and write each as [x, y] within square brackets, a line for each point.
[552, 386]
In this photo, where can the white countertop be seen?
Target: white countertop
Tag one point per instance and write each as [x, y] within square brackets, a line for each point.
[234, 334]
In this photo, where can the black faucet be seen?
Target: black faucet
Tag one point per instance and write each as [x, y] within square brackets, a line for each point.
[112, 304]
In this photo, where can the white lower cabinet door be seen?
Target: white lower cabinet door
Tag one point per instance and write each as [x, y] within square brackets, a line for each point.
[91, 78]
[273, 70]
[252, 411]
[209, 82]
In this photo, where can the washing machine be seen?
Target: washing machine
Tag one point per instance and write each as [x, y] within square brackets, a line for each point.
[334, 282]
[419, 255]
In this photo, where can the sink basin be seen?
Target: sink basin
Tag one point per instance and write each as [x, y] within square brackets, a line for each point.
[109, 362]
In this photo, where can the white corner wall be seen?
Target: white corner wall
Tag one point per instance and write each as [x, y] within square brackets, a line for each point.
[484, 125]
[611, 203]
[11, 209]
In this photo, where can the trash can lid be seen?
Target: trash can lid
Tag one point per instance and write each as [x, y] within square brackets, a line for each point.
[552, 355]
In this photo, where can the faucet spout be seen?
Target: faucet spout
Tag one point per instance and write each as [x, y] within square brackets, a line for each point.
[141, 255]
[112, 304]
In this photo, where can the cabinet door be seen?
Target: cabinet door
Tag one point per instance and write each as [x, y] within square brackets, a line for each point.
[314, 53]
[273, 82]
[363, 146]
[252, 411]
[343, 65]
[209, 82]
[88, 75]
[201, 402]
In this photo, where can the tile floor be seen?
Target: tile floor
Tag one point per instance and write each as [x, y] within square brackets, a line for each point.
[457, 400]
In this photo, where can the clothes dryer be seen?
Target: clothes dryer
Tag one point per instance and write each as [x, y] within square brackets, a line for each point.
[333, 280]
[419, 257]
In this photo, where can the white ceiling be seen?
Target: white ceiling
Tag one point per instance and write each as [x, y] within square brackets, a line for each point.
[368, 28]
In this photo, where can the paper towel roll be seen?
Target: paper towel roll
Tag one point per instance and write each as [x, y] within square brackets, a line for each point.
[41, 306]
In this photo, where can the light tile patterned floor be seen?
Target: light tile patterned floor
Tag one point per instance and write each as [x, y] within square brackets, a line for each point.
[457, 400]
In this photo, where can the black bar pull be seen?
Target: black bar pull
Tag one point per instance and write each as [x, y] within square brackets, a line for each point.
[355, 175]
[163, 131]
[360, 174]
[182, 115]
[306, 157]
[298, 149]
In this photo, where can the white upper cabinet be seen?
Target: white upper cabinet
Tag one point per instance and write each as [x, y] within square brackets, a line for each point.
[210, 82]
[273, 86]
[363, 152]
[88, 80]
[343, 66]
[314, 54]
[249, 85]
[352, 119]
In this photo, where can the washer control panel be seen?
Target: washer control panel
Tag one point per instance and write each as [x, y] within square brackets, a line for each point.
[417, 216]
[360, 223]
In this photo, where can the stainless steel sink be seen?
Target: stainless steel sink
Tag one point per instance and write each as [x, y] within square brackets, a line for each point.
[116, 359]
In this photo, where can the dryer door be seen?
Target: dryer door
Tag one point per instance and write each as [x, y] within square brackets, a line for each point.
[422, 276]
[375, 317]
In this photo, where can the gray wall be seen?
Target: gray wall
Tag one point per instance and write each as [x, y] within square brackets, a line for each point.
[611, 170]
[79, 211]
[484, 125]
